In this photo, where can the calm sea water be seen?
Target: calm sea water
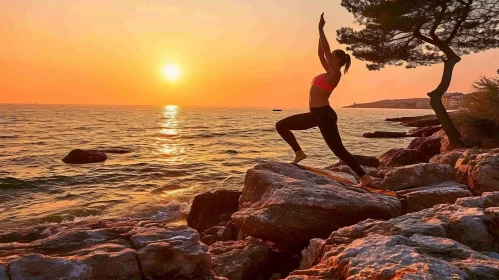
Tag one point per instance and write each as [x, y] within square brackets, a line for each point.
[176, 153]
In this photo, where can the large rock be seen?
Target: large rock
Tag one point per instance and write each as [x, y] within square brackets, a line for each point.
[424, 131]
[428, 146]
[416, 175]
[426, 197]
[401, 157]
[79, 156]
[479, 170]
[221, 232]
[384, 134]
[285, 203]
[211, 208]
[443, 242]
[239, 260]
[422, 122]
[105, 249]
[449, 158]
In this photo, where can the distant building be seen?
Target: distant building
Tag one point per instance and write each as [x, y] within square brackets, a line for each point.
[453, 100]
[423, 104]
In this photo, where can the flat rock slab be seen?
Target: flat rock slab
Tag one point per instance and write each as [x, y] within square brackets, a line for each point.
[384, 134]
[287, 204]
[104, 249]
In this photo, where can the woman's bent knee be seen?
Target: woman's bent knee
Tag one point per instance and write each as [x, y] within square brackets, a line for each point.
[279, 126]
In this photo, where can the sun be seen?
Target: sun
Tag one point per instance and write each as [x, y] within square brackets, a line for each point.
[171, 72]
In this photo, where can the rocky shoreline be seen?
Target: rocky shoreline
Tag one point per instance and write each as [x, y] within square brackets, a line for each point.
[290, 223]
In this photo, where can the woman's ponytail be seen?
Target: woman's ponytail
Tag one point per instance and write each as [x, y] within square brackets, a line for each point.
[348, 63]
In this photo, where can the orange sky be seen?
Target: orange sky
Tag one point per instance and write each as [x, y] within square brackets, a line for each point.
[231, 53]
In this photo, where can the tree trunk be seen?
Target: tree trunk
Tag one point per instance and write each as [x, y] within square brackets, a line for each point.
[438, 107]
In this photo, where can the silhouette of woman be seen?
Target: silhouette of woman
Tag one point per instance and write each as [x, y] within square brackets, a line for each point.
[321, 114]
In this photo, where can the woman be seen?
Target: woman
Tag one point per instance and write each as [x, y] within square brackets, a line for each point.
[321, 114]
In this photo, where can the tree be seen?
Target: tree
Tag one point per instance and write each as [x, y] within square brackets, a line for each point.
[422, 32]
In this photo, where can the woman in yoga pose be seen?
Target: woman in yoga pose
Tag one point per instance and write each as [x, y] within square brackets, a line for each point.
[321, 114]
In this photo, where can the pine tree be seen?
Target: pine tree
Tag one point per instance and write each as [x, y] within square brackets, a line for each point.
[422, 32]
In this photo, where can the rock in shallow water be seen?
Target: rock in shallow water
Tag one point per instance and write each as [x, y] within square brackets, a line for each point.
[384, 134]
[287, 204]
[79, 156]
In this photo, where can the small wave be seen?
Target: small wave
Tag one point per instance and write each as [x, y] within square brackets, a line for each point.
[9, 136]
[13, 183]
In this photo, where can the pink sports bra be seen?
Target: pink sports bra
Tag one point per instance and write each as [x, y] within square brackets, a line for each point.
[320, 81]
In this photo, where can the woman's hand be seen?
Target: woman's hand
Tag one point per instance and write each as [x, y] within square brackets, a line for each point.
[322, 22]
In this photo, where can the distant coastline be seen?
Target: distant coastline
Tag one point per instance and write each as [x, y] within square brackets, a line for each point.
[450, 100]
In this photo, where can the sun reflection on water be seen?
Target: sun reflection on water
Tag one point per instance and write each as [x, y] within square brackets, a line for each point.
[170, 146]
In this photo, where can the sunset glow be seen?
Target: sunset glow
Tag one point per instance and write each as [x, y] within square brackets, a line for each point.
[171, 72]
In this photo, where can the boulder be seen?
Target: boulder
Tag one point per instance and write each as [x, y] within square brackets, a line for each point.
[401, 157]
[288, 204]
[390, 257]
[428, 146]
[442, 242]
[424, 131]
[422, 122]
[449, 157]
[420, 198]
[105, 249]
[211, 208]
[479, 169]
[239, 260]
[79, 156]
[384, 134]
[416, 175]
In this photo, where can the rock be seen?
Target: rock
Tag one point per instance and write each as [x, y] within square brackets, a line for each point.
[401, 157]
[211, 208]
[3, 272]
[488, 199]
[222, 232]
[478, 169]
[441, 242]
[239, 260]
[372, 171]
[367, 161]
[485, 174]
[439, 133]
[172, 259]
[428, 146]
[426, 197]
[104, 249]
[390, 257]
[384, 134]
[417, 175]
[288, 204]
[79, 156]
[424, 131]
[422, 123]
[449, 158]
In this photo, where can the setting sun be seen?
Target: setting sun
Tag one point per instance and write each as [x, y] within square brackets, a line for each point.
[171, 72]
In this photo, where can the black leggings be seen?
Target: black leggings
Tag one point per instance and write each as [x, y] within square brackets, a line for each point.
[325, 118]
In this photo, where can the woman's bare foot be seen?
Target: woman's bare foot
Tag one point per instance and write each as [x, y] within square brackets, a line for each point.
[299, 156]
[364, 181]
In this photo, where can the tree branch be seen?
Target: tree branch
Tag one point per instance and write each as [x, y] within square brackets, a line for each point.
[438, 21]
[459, 21]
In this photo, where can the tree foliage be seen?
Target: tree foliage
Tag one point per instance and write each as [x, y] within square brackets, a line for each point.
[483, 101]
[419, 32]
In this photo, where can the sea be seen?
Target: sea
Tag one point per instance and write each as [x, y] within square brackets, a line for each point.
[175, 153]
